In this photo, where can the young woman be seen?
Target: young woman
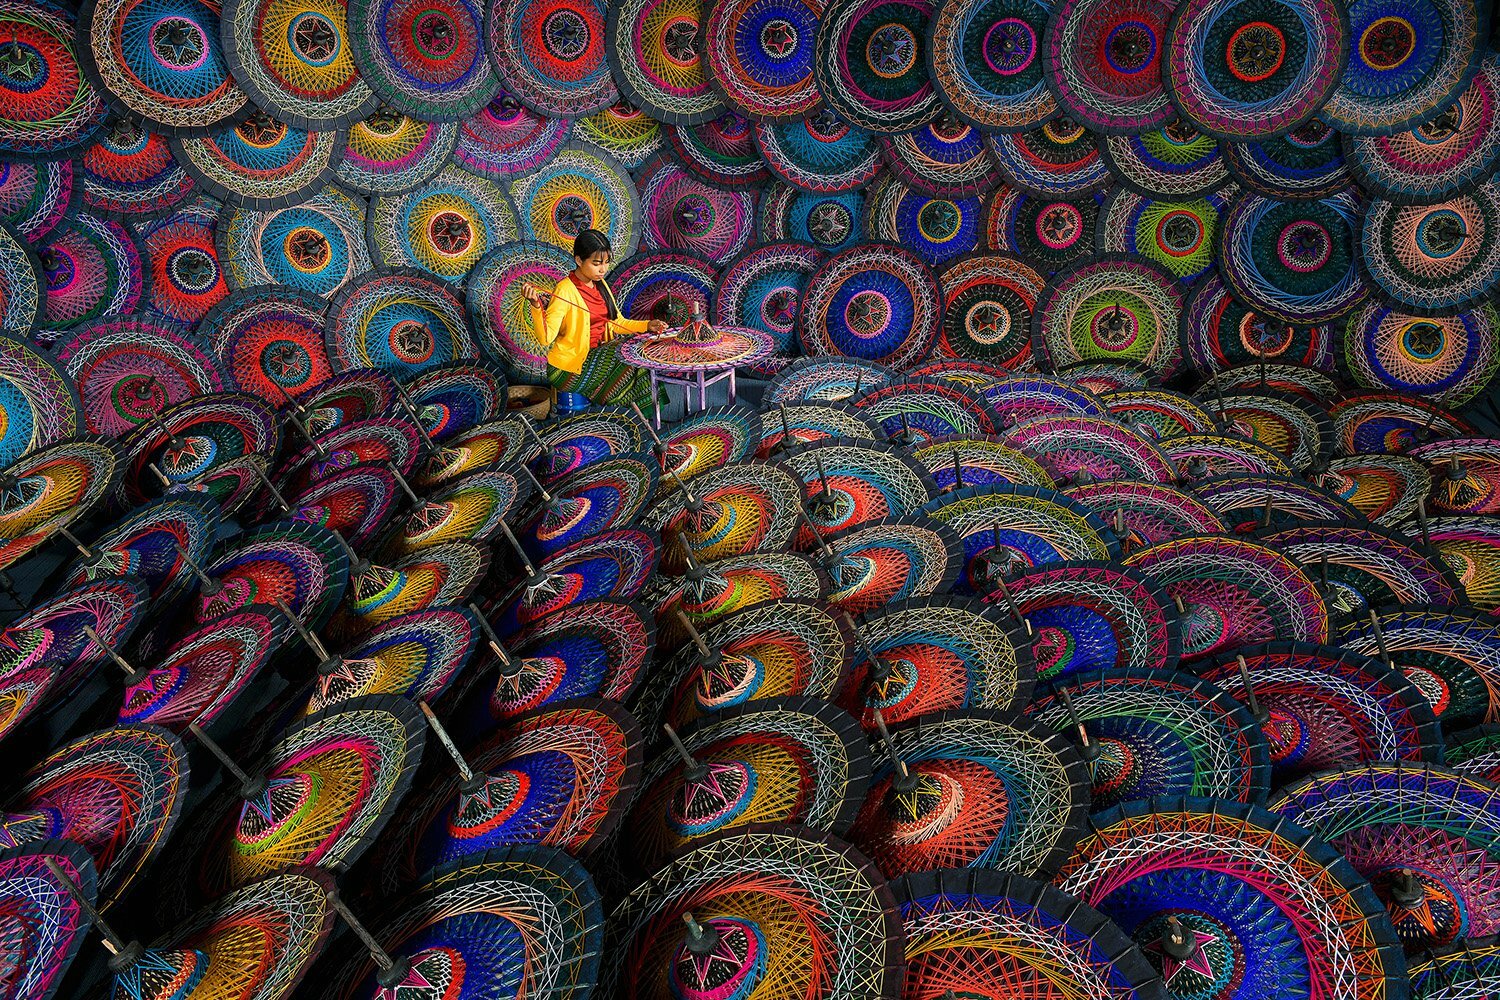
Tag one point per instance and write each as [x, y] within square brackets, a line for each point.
[580, 324]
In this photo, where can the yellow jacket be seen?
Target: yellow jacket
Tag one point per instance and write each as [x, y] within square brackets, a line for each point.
[565, 326]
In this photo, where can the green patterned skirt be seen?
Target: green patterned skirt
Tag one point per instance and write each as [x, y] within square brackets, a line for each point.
[605, 379]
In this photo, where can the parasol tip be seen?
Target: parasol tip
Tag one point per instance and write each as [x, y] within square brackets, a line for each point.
[1176, 941]
[1406, 889]
[700, 940]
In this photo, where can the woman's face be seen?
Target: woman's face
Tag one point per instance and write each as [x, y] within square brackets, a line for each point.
[595, 266]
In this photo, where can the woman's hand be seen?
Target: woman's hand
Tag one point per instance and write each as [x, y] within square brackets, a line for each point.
[534, 295]
[656, 326]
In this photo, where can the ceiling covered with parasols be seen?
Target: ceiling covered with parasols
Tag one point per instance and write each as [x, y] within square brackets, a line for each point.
[1072, 574]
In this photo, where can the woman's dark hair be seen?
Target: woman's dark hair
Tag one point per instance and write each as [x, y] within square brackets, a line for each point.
[585, 245]
[589, 242]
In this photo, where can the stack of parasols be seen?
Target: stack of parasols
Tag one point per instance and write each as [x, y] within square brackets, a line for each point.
[1098, 597]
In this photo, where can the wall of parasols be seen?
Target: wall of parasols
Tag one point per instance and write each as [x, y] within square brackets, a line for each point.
[1098, 600]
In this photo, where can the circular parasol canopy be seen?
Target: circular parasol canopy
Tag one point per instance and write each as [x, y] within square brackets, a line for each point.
[388, 151]
[1233, 593]
[53, 631]
[1104, 63]
[1423, 835]
[445, 226]
[830, 380]
[787, 427]
[732, 510]
[822, 153]
[1384, 488]
[346, 398]
[985, 59]
[1321, 707]
[973, 790]
[116, 792]
[1086, 616]
[876, 301]
[590, 649]
[1465, 474]
[915, 411]
[1452, 655]
[1434, 258]
[586, 437]
[319, 795]
[709, 591]
[128, 371]
[600, 496]
[426, 62]
[582, 187]
[305, 73]
[1245, 502]
[846, 485]
[499, 312]
[754, 900]
[1199, 457]
[415, 655]
[1079, 450]
[609, 564]
[550, 55]
[1006, 935]
[1387, 423]
[1448, 359]
[40, 401]
[654, 51]
[934, 654]
[301, 565]
[1470, 548]
[763, 287]
[721, 152]
[679, 211]
[559, 776]
[207, 672]
[1159, 413]
[669, 285]
[193, 442]
[447, 573]
[988, 300]
[382, 443]
[890, 560]
[1157, 732]
[729, 346]
[42, 913]
[1142, 514]
[509, 919]
[1215, 892]
[1109, 308]
[772, 649]
[1360, 567]
[269, 341]
[457, 397]
[91, 269]
[980, 460]
[153, 543]
[1297, 429]
[760, 56]
[787, 761]
[504, 138]
[356, 502]
[400, 320]
[49, 489]
[1218, 332]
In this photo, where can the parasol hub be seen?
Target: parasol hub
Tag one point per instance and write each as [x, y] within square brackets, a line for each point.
[700, 940]
[697, 330]
[1406, 890]
[1177, 941]
[126, 957]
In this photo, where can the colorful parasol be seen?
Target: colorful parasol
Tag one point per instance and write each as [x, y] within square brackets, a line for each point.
[45, 923]
[1174, 161]
[20, 281]
[1198, 457]
[259, 162]
[609, 564]
[665, 285]
[1157, 732]
[1023, 397]
[492, 924]
[1142, 514]
[304, 73]
[116, 792]
[732, 510]
[1465, 474]
[1159, 413]
[444, 226]
[1385, 422]
[591, 649]
[269, 341]
[446, 573]
[1360, 566]
[1219, 332]
[1177, 233]
[1048, 229]
[915, 411]
[475, 450]
[1310, 383]
[1452, 655]
[760, 55]
[1307, 162]
[91, 268]
[1233, 593]
[1434, 258]
[1405, 65]
[1104, 62]
[386, 441]
[1079, 450]
[56, 630]
[956, 462]
[1224, 897]
[1384, 488]
[499, 313]
[1003, 89]
[681, 212]
[988, 301]
[319, 795]
[1448, 360]
[1109, 308]
[655, 53]
[415, 655]
[1421, 835]
[1445, 154]
[721, 152]
[154, 543]
[1088, 616]
[790, 761]
[934, 654]
[677, 352]
[467, 509]
[973, 790]
[602, 495]
[769, 650]
[870, 66]
[822, 153]
[23, 692]
[1470, 549]
[400, 320]
[1010, 528]
[1237, 72]
[623, 131]
[1059, 159]
[49, 489]
[709, 591]
[576, 441]
[1003, 935]
[1298, 430]
[316, 245]
[826, 379]
[388, 151]
[896, 559]
[583, 187]
[763, 287]
[362, 394]
[830, 221]
[185, 279]
[504, 138]
[210, 672]
[127, 371]
[173, 74]
[783, 911]
[189, 442]
[1311, 275]
[301, 565]
[427, 62]
[550, 55]
[456, 397]
[1321, 707]
[846, 485]
[559, 776]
